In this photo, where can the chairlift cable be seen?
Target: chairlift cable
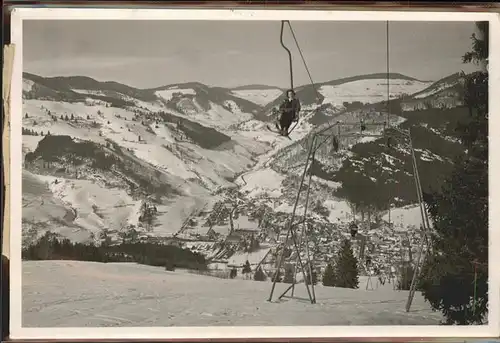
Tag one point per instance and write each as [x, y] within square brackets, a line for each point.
[388, 109]
[302, 56]
[388, 75]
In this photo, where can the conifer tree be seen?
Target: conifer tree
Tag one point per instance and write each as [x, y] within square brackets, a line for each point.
[289, 275]
[246, 268]
[454, 279]
[259, 275]
[405, 278]
[233, 273]
[329, 276]
[314, 276]
[169, 265]
[346, 268]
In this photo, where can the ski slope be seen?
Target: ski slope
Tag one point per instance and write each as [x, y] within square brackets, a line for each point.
[39, 204]
[95, 205]
[86, 294]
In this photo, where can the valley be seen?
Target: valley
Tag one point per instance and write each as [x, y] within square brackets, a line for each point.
[195, 166]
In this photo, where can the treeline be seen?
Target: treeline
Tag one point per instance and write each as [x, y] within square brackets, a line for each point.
[342, 271]
[29, 132]
[51, 247]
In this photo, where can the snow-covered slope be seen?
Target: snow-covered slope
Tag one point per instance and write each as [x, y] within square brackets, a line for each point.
[94, 204]
[438, 86]
[84, 294]
[444, 93]
[259, 96]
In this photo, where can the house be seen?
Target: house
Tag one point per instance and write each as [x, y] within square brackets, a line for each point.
[212, 235]
[175, 242]
[233, 238]
[245, 232]
[209, 236]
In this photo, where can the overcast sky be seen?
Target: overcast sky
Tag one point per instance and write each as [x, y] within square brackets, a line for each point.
[148, 54]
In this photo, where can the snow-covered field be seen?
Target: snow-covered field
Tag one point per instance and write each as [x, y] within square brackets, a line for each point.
[434, 90]
[261, 181]
[408, 216]
[167, 94]
[95, 205]
[27, 85]
[38, 201]
[85, 294]
[369, 91]
[254, 258]
[258, 96]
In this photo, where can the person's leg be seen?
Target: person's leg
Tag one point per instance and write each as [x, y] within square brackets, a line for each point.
[283, 123]
[288, 122]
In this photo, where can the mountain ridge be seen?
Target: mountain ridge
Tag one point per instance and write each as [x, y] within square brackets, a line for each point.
[84, 78]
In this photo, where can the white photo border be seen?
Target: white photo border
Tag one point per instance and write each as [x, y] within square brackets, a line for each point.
[18, 15]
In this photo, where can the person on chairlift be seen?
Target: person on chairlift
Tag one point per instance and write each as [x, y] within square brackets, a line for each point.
[289, 112]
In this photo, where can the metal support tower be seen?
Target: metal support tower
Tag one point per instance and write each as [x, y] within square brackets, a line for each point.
[334, 133]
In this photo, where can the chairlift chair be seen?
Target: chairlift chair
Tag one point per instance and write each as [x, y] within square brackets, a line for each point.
[335, 143]
[362, 125]
[389, 142]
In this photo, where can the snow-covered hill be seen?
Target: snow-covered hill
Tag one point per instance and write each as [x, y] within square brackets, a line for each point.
[355, 91]
[195, 153]
[444, 93]
[260, 95]
[118, 295]
[368, 91]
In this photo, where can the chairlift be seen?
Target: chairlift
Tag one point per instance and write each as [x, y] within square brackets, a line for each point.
[335, 143]
[362, 124]
[368, 260]
[354, 229]
[389, 142]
